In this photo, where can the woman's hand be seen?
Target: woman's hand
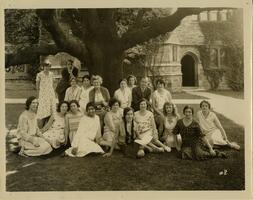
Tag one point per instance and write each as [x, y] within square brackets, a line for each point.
[212, 152]
[35, 142]
[107, 154]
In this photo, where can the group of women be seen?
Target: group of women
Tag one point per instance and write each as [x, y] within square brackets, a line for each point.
[88, 120]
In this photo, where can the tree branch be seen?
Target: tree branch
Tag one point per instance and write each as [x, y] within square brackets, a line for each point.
[64, 41]
[159, 26]
[30, 54]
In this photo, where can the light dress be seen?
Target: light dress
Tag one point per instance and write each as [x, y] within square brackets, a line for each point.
[124, 97]
[209, 129]
[144, 126]
[169, 137]
[73, 93]
[160, 98]
[85, 139]
[47, 100]
[112, 123]
[84, 97]
[26, 131]
[55, 134]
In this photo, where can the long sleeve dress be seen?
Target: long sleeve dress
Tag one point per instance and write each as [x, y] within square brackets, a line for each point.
[26, 131]
[87, 138]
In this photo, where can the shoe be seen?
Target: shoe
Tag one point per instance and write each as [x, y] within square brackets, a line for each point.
[235, 146]
[140, 153]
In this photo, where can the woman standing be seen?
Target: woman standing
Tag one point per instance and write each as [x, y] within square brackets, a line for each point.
[167, 125]
[123, 94]
[30, 139]
[86, 88]
[88, 135]
[194, 144]
[131, 80]
[212, 128]
[53, 131]
[72, 120]
[73, 92]
[46, 94]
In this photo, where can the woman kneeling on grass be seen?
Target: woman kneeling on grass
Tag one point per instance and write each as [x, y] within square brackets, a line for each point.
[212, 128]
[146, 132]
[88, 135]
[31, 139]
[194, 144]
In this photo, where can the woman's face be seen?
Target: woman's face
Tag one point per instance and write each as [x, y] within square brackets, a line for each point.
[73, 83]
[64, 108]
[131, 81]
[188, 113]
[129, 116]
[47, 67]
[73, 107]
[96, 83]
[34, 105]
[91, 111]
[159, 85]
[144, 83]
[169, 109]
[115, 107]
[143, 105]
[205, 107]
[86, 82]
[123, 84]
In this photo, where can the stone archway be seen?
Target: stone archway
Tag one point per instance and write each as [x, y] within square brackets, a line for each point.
[189, 71]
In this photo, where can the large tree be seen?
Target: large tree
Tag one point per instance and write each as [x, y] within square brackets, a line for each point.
[99, 38]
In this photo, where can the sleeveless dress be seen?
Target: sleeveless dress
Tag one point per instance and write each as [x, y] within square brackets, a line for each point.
[56, 132]
[47, 100]
[168, 136]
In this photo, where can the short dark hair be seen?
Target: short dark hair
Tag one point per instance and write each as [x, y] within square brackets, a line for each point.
[29, 101]
[123, 79]
[126, 110]
[132, 76]
[89, 105]
[112, 101]
[74, 101]
[205, 101]
[86, 76]
[58, 109]
[160, 81]
[188, 107]
[143, 99]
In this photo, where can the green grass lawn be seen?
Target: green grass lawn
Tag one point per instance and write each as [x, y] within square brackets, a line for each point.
[229, 93]
[154, 172]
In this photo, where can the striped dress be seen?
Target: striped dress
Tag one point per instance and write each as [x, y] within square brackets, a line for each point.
[73, 123]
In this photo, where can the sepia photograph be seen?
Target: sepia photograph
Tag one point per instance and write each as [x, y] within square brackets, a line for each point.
[150, 98]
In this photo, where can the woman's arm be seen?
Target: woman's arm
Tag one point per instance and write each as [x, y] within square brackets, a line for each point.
[129, 98]
[109, 122]
[154, 105]
[219, 126]
[48, 124]
[66, 98]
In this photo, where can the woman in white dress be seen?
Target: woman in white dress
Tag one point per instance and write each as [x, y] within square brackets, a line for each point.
[88, 135]
[53, 131]
[167, 125]
[46, 94]
[112, 122]
[212, 128]
[146, 132]
[159, 97]
[123, 94]
[30, 138]
[84, 96]
[73, 92]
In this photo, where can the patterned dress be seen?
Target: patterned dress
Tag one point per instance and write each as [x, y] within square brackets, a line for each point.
[47, 101]
[55, 134]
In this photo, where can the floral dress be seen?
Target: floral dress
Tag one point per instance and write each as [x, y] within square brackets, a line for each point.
[144, 125]
[55, 134]
[47, 101]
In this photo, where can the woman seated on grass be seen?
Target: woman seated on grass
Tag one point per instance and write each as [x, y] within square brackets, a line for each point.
[88, 135]
[53, 131]
[72, 120]
[126, 134]
[112, 121]
[194, 144]
[212, 128]
[167, 125]
[31, 140]
[146, 132]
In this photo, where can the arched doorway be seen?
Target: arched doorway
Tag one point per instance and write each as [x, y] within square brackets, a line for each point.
[189, 75]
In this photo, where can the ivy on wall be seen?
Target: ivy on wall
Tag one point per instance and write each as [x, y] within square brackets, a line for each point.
[230, 33]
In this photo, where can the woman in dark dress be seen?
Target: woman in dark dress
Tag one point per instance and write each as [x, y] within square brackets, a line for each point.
[194, 145]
